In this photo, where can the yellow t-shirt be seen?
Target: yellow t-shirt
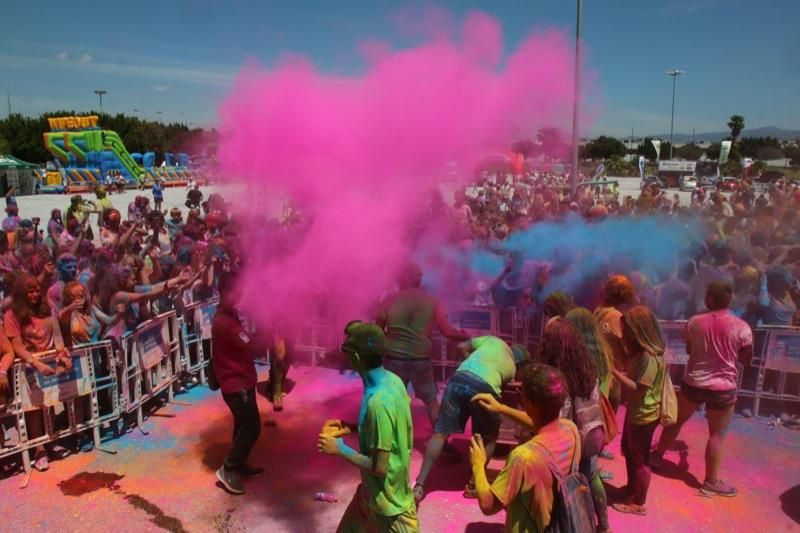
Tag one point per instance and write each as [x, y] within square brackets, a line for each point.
[525, 484]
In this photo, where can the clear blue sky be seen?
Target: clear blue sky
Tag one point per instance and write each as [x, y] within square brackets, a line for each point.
[179, 57]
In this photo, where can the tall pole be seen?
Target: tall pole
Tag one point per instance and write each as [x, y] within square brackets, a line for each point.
[576, 105]
[100, 93]
[8, 98]
[674, 73]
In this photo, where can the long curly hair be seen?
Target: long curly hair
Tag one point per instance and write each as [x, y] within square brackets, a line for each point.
[23, 309]
[563, 348]
[598, 349]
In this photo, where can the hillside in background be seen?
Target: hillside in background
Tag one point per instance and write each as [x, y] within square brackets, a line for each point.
[716, 136]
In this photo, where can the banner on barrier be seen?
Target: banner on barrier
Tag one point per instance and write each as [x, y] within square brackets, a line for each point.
[47, 391]
[203, 317]
[476, 320]
[674, 342]
[783, 351]
[151, 343]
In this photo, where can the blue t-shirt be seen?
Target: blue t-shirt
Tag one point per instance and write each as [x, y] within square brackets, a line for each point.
[158, 192]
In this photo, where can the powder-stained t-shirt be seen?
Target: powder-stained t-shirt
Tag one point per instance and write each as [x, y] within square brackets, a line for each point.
[715, 340]
[492, 361]
[410, 317]
[37, 335]
[525, 484]
[385, 424]
[647, 370]
[83, 328]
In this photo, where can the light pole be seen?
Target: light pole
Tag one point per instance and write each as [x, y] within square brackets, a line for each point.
[100, 93]
[576, 107]
[141, 113]
[8, 98]
[674, 73]
[159, 113]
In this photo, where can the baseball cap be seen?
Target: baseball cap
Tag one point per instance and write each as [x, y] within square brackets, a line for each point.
[26, 223]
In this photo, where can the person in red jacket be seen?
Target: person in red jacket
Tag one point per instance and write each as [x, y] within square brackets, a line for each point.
[235, 371]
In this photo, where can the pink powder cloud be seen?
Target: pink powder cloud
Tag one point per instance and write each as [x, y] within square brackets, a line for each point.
[361, 153]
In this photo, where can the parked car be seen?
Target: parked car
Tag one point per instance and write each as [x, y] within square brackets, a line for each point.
[653, 180]
[688, 183]
[708, 181]
[729, 184]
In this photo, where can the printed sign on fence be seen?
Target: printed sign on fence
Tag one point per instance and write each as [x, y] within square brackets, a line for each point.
[477, 319]
[47, 391]
[675, 343]
[203, 317]
[783, 351]
[151, 344]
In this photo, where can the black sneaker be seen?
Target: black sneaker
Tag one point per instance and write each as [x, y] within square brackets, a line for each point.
[230, 480]
[718, 488]
[251, 471]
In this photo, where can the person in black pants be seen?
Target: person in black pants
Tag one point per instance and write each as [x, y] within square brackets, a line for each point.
[235, 371]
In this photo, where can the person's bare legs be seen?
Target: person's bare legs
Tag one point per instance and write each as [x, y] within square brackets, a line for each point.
[432, 452]
[718, 421]
[433, 411]
[685, 411]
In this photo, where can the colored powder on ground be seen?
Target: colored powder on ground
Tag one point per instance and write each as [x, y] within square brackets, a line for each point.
[361, 155]
[170, 523]
[86, 482]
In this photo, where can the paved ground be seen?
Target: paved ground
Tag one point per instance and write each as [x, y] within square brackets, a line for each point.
[165, 480]
[41, 205]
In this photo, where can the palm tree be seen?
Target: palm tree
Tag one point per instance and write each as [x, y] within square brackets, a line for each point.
[736, 125]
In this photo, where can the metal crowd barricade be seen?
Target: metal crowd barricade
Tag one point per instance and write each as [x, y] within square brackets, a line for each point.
[675, 354]
[313, 343]
[512, 433]
[151, 362]
[479, 320]
[779, 366]
[195, 332]
[773, 374]
[67, 403]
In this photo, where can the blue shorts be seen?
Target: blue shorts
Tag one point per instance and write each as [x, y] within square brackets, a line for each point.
[458, 407]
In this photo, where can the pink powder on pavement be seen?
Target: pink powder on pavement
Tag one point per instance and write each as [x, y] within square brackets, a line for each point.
[360, 154]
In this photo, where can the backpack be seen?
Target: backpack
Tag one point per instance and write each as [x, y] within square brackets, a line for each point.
[573, 509]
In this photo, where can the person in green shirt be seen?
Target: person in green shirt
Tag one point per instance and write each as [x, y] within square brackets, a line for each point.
[489, 365]
[383, 501]
[644, 382]
[408, 319]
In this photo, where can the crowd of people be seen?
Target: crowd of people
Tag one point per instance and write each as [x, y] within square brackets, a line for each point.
[601, 346]
[747, 239]
[64, 286]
